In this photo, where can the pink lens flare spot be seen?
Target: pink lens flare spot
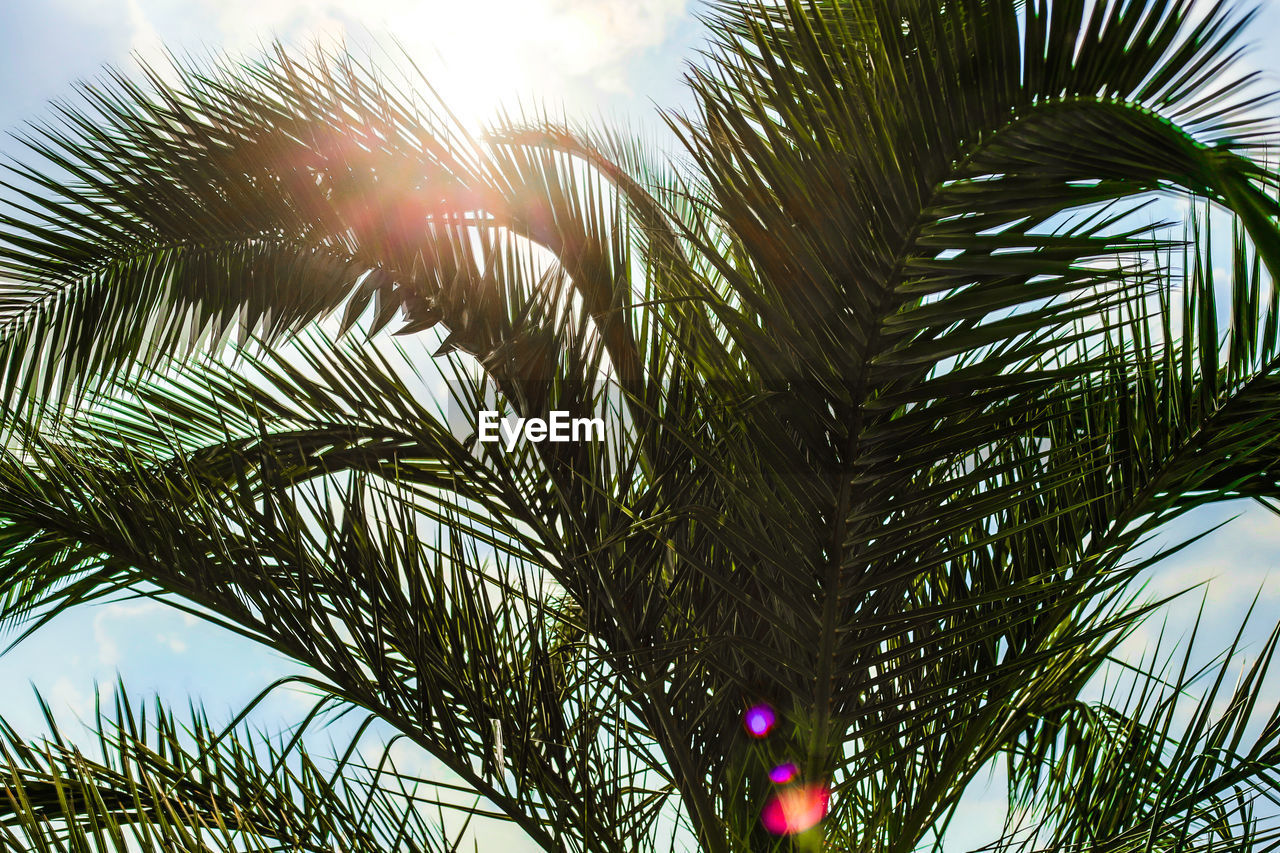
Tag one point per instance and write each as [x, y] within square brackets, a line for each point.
[759, 720]
[783, 773]
[795, 810]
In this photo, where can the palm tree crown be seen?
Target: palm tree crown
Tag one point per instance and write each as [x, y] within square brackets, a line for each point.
[894, 386]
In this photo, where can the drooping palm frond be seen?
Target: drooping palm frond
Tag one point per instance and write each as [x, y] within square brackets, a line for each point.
[416, 580]
[160, 782]
[1169, 765]
[348, 183]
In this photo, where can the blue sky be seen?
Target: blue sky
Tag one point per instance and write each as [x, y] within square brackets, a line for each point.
[592, 56]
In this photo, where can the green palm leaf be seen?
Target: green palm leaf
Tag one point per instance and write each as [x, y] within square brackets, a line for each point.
[896, 384]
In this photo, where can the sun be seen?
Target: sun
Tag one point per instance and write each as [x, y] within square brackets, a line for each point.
[485, 55]
[480, 56]
[586, 56]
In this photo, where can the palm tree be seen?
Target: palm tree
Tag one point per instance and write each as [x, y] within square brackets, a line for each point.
[894, 387]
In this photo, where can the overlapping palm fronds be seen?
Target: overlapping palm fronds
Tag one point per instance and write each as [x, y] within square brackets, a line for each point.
[895, 387]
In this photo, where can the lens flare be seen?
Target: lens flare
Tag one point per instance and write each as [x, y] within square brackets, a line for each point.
[783, 773]
[759, 720]
[795, 810]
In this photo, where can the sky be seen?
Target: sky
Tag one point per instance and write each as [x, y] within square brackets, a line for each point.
[615, 58]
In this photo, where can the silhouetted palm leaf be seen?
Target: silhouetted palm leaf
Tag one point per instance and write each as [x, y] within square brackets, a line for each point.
[895, 387]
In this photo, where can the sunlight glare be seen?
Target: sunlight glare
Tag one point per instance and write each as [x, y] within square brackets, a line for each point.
[491, 53]
[795, 810]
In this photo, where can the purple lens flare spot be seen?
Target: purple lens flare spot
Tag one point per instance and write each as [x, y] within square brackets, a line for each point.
[759, 720]
[783, 773]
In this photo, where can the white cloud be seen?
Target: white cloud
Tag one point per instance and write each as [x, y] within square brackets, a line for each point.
[476, 53]
[1235, 563]
[173, 642]
[110, 616]
[108, 650]
[145, 42]
[65, 695]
